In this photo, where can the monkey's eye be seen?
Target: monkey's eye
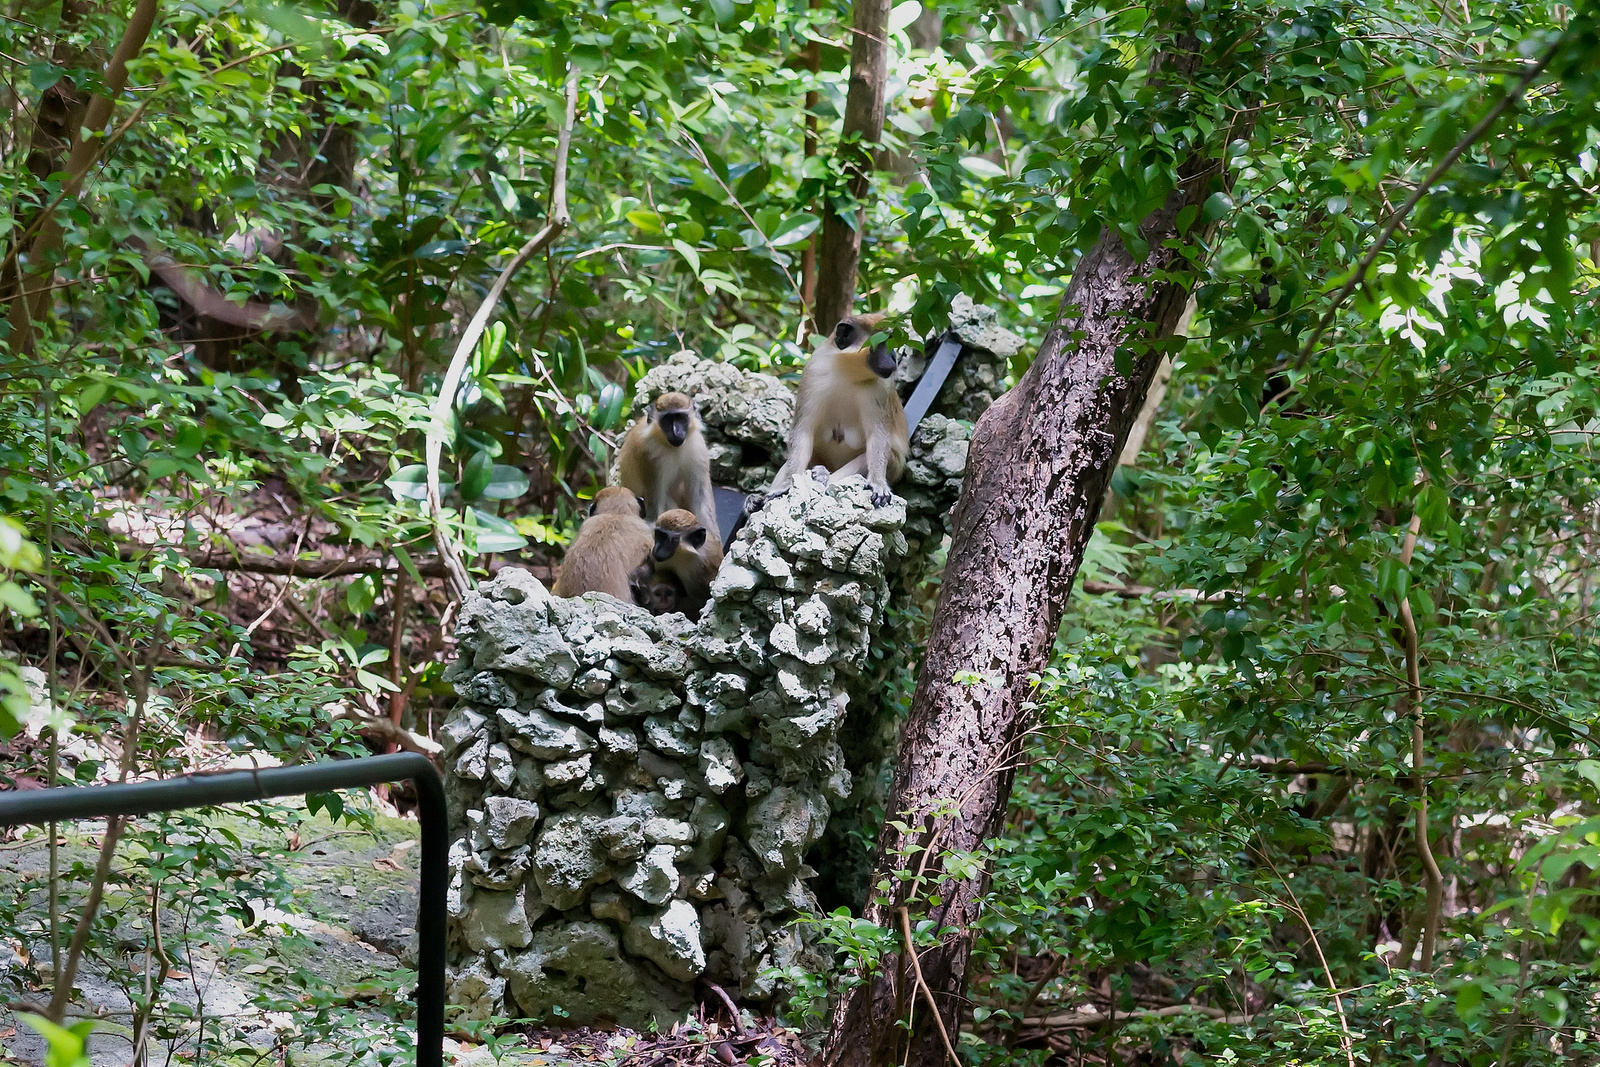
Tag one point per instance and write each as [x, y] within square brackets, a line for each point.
[640, 499]
[592, 504]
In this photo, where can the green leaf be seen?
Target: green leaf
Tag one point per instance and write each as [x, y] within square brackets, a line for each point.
[610, 407]
[507, 196]
[490, 533]
[793, 230]
[410, 565]
[982, 167]
[186, 444]
[903, 15]
[65, 1046]
[361, 594]
[1217, 207]
[751, 184]
[1433, 505]
[411, 483]
[646, 221]
[17, 599]
[689, 254]
[505, 483]
[475, 476]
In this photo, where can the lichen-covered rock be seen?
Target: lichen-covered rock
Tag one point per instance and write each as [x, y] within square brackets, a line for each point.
[568, 858]
[475, 993]
[642, 800]
[671, 940]
[580, 968]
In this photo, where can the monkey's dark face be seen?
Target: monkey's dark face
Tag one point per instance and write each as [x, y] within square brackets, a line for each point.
[674, 426]
[852, 334]
[667, 542]
[880, 362]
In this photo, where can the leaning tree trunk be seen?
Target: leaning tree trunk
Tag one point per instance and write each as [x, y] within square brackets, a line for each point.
[839, 252]
[1040, 462]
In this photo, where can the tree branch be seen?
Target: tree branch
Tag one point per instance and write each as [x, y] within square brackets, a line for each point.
[560, 219]
[1422, 189]
[1430, 866]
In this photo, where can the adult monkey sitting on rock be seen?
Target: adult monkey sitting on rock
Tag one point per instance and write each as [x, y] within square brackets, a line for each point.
[664, 459]
[848, 415]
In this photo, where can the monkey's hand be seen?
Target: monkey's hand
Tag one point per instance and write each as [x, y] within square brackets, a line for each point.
[881, 496]
[754, 502]
[820, 474]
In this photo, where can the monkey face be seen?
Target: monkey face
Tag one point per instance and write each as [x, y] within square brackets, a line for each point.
[667, 542]
[674, 426]
[880, 362]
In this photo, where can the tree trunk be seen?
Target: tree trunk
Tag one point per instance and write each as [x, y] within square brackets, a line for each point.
[839, 251]
[32, 299]
[1040, 462]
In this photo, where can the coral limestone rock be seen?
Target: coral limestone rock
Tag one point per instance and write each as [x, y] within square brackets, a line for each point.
[639, 799]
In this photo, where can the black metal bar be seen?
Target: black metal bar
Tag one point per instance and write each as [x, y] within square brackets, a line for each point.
[932, 380]
[233, 787]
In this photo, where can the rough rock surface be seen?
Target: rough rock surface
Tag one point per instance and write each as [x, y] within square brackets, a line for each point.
[641, 800]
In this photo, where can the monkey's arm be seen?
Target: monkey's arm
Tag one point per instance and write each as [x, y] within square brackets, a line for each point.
[878, 445]
[800, 439]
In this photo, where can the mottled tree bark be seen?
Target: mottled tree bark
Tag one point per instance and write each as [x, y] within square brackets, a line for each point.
[1040, 462]
[839, 251]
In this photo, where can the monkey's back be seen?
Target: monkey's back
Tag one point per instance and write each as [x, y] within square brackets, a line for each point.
[604, 555]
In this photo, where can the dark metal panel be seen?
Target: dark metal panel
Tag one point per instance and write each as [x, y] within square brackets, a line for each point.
[932, 380]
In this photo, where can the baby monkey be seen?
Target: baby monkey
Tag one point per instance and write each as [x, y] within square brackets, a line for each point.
[611, 553]
[848, 416]
[684, 550]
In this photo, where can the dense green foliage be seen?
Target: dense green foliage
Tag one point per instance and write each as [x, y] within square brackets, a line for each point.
[1217, 805]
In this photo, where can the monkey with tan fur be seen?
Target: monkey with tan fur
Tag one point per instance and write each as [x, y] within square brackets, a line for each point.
[664, 459]
[686, 550]
[612, 552]
[848, 416]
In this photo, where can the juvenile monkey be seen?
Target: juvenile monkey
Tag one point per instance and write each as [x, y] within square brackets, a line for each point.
[685, 550]
[664, 459]
[848, 416]
[611, 553]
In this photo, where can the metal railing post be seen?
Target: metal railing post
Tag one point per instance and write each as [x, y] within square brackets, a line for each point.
[233, 787]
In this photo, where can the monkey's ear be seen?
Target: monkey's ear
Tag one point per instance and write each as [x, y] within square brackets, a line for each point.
[844, 336]
[697, 538]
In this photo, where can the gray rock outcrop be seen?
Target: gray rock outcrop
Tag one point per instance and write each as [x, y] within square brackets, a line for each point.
[644, 800]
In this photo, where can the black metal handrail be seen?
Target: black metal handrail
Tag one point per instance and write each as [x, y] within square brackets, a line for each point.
[232, 787]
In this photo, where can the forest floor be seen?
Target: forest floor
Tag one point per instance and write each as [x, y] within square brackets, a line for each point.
[355, 897]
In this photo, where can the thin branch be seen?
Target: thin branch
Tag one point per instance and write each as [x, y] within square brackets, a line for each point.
[324, 567]
[1430, 866]
[560, 219]
[1095, 1019]
[927, 994]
